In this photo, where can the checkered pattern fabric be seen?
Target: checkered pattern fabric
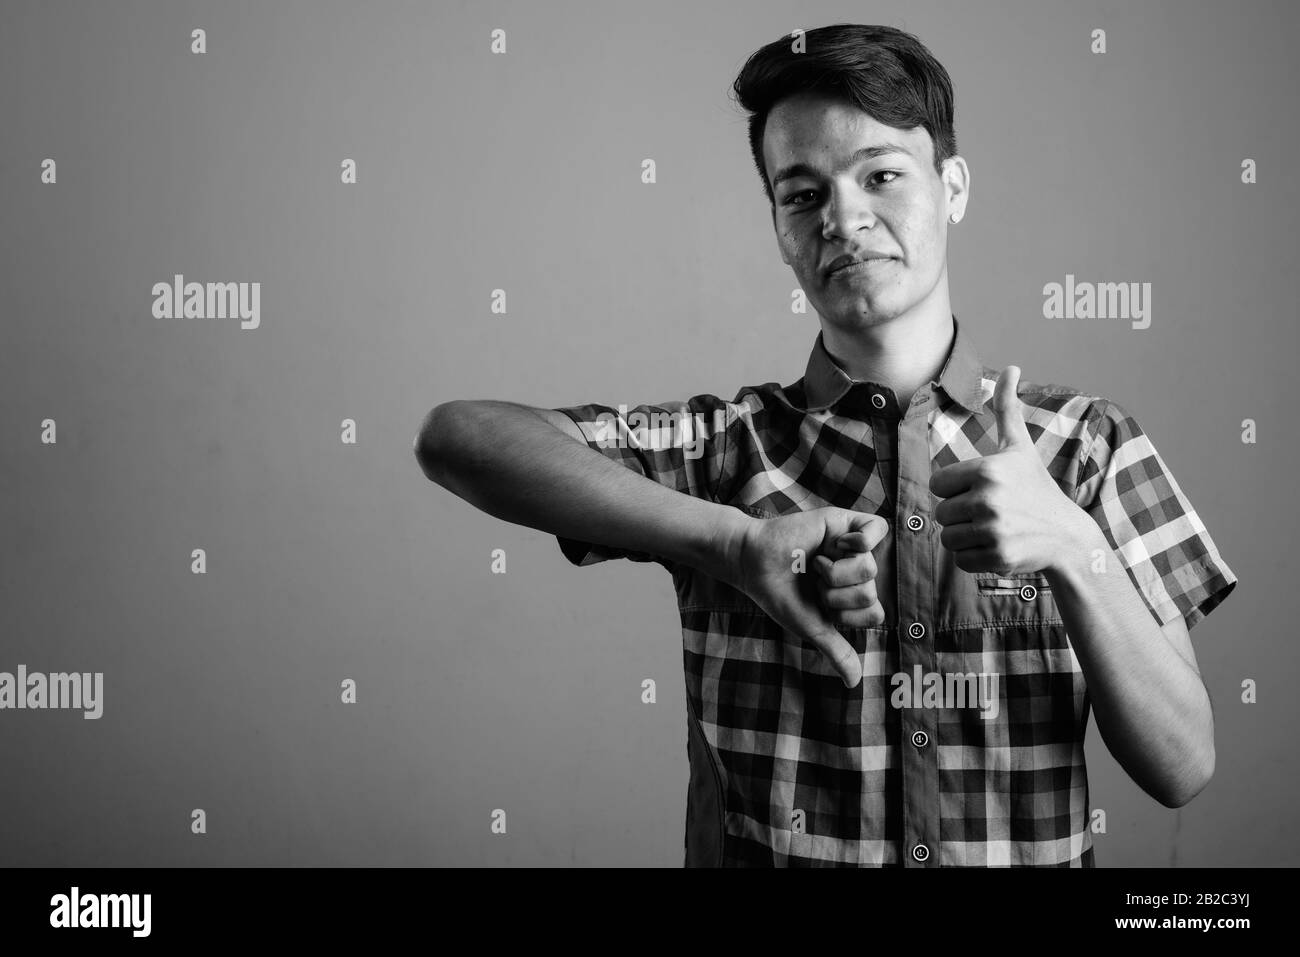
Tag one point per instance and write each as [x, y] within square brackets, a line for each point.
[789, 767]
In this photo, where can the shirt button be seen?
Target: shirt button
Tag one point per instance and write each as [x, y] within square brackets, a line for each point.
[878, 400]
[920, 853]
[1028, 592]
[916, 630]
[920, 738]
[915, 523]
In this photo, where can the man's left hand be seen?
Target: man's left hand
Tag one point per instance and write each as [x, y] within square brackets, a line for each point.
[1003, 512]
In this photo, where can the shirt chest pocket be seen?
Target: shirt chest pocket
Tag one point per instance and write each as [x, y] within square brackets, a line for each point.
[1000, 597]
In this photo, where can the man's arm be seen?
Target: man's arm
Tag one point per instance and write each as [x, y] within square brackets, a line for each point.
[1005, 512]
[1151, 705]
[532, 467]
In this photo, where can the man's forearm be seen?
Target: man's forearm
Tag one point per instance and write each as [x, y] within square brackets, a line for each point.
[503, 459]
[1151, 706]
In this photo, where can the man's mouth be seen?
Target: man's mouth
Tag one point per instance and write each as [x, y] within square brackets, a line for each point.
[863, 265]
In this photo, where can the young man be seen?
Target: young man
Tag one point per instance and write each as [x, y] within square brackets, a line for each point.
[905, 579]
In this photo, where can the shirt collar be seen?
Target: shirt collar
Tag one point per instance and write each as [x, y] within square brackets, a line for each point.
[825, 383]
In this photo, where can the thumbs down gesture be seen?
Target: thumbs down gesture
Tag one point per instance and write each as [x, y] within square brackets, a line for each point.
[813, 608]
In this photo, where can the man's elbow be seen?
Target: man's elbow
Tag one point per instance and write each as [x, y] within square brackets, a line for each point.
[436, 439]
[1191, 784]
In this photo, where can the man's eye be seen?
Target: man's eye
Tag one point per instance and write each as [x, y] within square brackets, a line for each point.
[793, 200]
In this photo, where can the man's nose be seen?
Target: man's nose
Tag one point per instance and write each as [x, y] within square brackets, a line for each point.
[845, 213]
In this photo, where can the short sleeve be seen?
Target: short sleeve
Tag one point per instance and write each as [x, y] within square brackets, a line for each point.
[680, 444]
[1129, 491]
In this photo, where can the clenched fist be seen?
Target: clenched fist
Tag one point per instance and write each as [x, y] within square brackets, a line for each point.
[841, 590]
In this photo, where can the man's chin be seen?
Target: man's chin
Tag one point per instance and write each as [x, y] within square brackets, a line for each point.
[866, 315]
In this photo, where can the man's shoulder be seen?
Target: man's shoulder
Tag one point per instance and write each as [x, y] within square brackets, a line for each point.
[770, 393]
[1064, 409]
[749, 399]
[1041, 391]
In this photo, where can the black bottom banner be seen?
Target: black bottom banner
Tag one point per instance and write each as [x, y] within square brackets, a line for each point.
[334, 906]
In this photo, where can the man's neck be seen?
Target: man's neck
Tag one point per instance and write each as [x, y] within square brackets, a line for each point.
[903, 354]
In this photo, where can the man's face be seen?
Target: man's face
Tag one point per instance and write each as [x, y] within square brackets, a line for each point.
[829, 203]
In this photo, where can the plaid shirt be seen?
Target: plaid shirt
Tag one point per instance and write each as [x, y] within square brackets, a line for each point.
[790, 768]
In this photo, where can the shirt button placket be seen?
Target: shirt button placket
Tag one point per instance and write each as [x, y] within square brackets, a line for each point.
[914, 561]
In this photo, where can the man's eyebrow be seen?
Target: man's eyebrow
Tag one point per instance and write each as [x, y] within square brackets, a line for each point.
[867, 152]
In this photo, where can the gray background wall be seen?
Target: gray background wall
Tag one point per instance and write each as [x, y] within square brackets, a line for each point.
[328, 561]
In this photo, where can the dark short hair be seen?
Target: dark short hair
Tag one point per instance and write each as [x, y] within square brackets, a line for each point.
[883, 71]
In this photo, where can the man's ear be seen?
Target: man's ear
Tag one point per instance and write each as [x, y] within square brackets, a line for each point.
[957, 181]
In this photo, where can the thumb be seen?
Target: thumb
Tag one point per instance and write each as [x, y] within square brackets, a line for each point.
[811, 625]
[834, 647]
[1006, 406]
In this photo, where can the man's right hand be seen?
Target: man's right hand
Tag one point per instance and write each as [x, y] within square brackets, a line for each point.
[838, 586]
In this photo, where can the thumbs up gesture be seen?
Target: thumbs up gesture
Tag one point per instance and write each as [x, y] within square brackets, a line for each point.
[1003, 512]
